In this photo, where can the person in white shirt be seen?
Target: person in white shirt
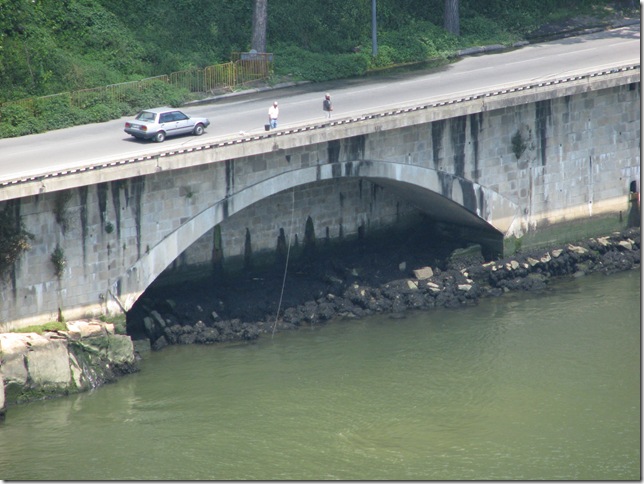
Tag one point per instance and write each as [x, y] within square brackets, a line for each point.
[273, 113]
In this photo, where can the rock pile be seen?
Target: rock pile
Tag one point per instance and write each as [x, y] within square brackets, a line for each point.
[464, 279]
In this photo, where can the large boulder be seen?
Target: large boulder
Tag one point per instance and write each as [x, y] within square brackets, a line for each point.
[35, 366]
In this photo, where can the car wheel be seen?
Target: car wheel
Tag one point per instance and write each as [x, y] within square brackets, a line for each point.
[159, 137]
[198, 131]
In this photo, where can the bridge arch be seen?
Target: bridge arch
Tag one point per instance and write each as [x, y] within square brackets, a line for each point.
[443, 196]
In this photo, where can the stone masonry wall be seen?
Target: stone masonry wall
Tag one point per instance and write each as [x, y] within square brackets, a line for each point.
[338, 209]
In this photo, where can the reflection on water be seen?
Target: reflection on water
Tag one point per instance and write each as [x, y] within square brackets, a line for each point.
[520, 387]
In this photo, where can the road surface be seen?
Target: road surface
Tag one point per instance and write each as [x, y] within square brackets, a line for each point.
[96, 143]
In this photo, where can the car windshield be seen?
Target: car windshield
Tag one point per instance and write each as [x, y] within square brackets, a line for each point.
[145, 116]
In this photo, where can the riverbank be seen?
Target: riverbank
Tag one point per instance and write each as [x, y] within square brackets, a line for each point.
[359, 281]
[36, 366]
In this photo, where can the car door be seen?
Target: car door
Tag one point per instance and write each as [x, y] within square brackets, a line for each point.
[168, 124]
[184, 123]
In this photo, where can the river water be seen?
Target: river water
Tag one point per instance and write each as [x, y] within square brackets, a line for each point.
[522, 387]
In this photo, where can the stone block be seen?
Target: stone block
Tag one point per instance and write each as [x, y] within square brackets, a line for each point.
[423, 273]
[48, 363]
[14, 348]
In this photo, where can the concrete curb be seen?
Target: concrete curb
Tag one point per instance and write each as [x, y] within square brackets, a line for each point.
[245, 92]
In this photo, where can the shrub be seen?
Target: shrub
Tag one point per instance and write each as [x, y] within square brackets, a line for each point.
[156, 93]
[18, 120]
[311, 66]
[59, 261]
[55, 112]
[407, 46]
[482, 30]
[102, 112]
[385, 57]
[15, 114]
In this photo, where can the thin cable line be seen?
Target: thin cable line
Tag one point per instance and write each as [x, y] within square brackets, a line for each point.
[288, 253]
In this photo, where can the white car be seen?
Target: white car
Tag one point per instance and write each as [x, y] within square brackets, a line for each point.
[159, 123]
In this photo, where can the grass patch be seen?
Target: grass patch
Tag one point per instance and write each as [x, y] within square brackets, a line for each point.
[41, 328]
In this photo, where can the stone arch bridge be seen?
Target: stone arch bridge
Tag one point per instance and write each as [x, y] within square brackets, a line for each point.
[514, 163]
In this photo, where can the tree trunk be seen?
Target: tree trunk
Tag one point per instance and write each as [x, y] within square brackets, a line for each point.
[451, 18]
[260, 22]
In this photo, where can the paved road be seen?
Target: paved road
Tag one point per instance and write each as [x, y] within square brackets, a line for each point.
[91, 144]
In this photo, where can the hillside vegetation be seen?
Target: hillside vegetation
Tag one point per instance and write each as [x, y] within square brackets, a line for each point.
[53, 46]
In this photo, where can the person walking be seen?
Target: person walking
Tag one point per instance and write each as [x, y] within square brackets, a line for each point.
[273, 113]
[327, 107]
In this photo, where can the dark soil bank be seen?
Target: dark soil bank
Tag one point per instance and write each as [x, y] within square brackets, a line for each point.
[361, 279]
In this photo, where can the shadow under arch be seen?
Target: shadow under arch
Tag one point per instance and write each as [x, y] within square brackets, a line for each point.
[443, 196]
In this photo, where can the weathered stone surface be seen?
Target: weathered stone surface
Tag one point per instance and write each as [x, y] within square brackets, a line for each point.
[84, 356]
[432, 286]
[120, 349]
[604, 241]
[423, 273]
[158, 318]
[48, 363]
[76, 370]
[577, 249]
[85, 329]
[14, 347]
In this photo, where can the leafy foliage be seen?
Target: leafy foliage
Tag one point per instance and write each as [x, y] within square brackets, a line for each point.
[299, 63]
[59, 260]
[14, 238]
[58, 111]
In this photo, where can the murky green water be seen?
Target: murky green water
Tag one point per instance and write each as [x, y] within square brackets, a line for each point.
[520, 387]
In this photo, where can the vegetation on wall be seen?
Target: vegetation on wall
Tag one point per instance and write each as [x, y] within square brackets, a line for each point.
[14, 238]
[518, 145]
[59, 260]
